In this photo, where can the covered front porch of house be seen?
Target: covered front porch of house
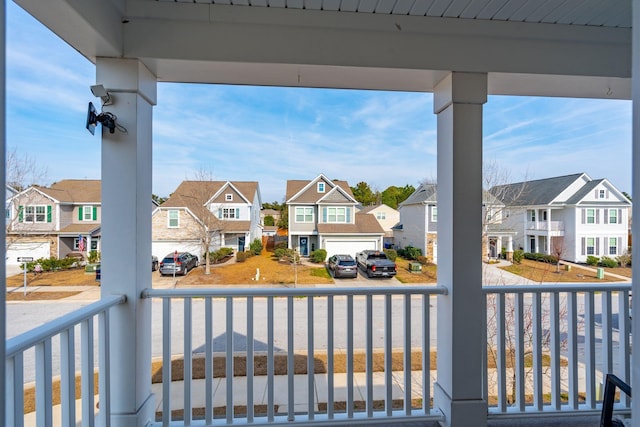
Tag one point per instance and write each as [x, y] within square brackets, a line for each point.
[137, 43]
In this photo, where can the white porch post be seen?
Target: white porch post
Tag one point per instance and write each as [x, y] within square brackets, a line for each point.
[3, 237]
[509, 248]
[458, 101]
[126, 235]
[635, 227]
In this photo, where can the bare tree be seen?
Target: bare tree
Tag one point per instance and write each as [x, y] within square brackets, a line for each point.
[22, 170]
[557, 250]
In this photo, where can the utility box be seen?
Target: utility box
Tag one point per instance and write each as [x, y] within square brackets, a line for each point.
[567, 267]
[415, 267]
[600, 273]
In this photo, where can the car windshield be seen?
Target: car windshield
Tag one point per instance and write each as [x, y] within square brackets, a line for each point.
[347, 262]
[168, 260]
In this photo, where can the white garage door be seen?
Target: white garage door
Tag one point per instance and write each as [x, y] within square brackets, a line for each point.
[161, 249]
[350, 247]
[34, 250]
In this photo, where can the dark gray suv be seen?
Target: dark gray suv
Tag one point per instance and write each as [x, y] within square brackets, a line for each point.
[343, 266]
[184, 262]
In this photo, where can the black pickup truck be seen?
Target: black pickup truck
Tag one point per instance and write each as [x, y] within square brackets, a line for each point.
[376, 263]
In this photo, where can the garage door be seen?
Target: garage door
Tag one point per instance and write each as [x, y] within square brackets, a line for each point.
[161, 249]
[350, 247]
[34, 250]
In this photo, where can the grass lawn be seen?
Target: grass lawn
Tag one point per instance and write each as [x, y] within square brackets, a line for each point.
[427, 275]
[544, 272]
[70, 277]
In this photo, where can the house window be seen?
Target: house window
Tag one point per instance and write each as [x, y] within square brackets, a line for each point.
[336, 214]
[228, 197]
[381, 215]
[229, 213]
[7, 212]
[434, 214]
[304, 214]
[602, 194]
[613, 246]
[532, 215]
[174, 218]
[489, 214]
[591, 246]
[41, 213]
[94, 245]
[29, 213]
[591, 216]
[76, 243]
[613, 216]
[87, 213]
[321, 187]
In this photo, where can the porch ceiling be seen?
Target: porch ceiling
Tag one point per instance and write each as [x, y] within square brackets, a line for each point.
[570, 48]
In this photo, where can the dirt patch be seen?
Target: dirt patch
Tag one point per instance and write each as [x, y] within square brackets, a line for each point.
[38, 296]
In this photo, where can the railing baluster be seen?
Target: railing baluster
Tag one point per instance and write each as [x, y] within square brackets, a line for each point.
[67, 377]
[330, 359]
[166, 361]
[104, 377]
[290, 361]
[519, 356]
[590, 350]
[270, 362]
[501, 360]
[87, 381]
[537, 351]
[208, 360]
[350, 390]
[388, 357]
[555, 349]
[229, 360]
[310, 361]
[407, 355]
[15, 390]
[369, 355]
[623, 342]
[607, 339]
[572, 348]
[249, 363]
[426, 353]
[187, 363]
[44, 402]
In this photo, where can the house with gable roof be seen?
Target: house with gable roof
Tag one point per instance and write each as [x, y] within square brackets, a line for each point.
[323, 215]
[228, 211]
[387, 217]
[572, 214]
[55, 220]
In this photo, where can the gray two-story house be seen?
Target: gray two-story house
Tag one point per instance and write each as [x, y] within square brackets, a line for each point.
[55, 220]
[322, 215]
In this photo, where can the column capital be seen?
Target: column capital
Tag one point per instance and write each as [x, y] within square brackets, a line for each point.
[128, 76]
[460, 88]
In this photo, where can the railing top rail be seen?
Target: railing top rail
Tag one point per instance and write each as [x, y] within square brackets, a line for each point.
[557, 287]
[30, 338]
[279, 292]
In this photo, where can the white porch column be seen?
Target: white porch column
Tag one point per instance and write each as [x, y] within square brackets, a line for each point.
[3, 237]
[509, 248]
[126, 235]
[635, 227]
[458, 393]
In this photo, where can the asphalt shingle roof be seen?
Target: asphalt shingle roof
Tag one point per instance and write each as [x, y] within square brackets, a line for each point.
[74, 191]
[535, 192]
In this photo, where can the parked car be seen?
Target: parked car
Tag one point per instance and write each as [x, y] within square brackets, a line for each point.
[184, 263]
[376, 263]
[342, 266]
[154, 263]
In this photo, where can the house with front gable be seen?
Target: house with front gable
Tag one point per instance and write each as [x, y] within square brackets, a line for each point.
[53, 221]
[387, 217]
[573, 215]
[227, 213]
[323, 215]
[8, 195]
[418, 224]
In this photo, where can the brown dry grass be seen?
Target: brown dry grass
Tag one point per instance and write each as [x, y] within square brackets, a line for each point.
[38, 296]
[543, 272]
[429, 273]
[71, 277]
[272, 272]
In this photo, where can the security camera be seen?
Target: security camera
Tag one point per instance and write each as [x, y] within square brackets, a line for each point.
[100, 92]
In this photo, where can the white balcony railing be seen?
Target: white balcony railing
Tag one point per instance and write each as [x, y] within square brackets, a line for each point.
[546, 225]
[553, 345]
[298, 325]
[62, 330]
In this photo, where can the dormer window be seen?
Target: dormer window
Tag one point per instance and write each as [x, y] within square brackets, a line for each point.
[321, 187]
[602, 194]
[228, 197]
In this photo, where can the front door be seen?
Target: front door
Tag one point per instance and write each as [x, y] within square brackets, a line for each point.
[304, 246]
[532, 245]
[241, 244]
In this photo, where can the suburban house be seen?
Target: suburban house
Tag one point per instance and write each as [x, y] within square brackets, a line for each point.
[214, 213]
[418, 225]
[387, 217]
[53, 221]
[572, 216]
[9, 193]
[322, 215]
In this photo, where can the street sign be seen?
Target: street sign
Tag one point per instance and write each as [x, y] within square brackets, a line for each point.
[25, 259]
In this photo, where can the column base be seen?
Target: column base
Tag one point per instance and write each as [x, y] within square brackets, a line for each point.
[141, 418]
[459, 413]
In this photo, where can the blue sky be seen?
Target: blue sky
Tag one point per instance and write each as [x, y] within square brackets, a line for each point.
[270, 135]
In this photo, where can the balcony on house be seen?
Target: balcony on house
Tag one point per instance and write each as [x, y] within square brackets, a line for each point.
[325, 356]
[545, 225]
